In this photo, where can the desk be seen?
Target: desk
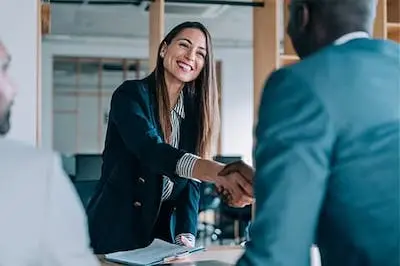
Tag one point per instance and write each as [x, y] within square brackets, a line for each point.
[227, 254]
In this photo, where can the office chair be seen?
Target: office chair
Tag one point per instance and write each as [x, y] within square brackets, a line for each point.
[209, 200]
[87, 175]
[68, 165]
[240, 217]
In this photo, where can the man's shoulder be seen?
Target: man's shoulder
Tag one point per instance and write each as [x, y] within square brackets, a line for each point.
[14, 147]
[26, 169]
[21, 157]
[336, 64]
[341, 57]
[326, 64]
[310, 65]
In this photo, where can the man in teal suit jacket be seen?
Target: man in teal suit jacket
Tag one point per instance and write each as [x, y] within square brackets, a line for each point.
[327, 154]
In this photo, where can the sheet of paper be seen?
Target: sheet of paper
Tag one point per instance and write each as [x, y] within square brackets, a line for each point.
[154, 253]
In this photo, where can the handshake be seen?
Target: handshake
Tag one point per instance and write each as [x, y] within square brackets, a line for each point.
[235, 184]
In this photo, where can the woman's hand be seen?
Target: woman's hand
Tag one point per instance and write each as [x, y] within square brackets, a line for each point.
[207, 170]
[185, 242]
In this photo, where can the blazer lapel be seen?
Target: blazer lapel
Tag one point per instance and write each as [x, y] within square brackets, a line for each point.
[189, 126]
[151, 81]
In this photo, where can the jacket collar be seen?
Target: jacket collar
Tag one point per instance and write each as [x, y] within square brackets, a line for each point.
[189, 126]
[351, 36]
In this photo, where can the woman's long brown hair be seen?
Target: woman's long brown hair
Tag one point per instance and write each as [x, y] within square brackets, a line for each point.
[205, 91]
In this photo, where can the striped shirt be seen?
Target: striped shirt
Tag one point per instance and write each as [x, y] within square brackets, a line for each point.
[184, 167]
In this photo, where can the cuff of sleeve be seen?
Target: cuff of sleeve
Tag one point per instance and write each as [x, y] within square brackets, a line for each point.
[189, 237]
[185, 165]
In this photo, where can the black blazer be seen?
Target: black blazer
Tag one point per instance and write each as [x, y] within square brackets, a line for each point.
[125, 211]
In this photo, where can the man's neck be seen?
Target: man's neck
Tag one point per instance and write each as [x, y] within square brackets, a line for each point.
[333, 34]
[342, 38]
[351, 36]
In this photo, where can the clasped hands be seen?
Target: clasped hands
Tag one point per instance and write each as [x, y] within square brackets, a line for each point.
[235, 184]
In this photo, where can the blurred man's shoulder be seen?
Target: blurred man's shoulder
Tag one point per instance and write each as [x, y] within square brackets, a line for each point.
[23, 156]
[27, 168]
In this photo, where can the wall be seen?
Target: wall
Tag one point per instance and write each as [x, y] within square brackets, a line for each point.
[19, 32]
[237, 101]
[237, 84]
[81, 99]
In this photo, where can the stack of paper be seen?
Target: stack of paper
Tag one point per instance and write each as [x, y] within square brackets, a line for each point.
[157, 252]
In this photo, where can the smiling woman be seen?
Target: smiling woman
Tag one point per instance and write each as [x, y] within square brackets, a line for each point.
[186, 56]
[160, 133]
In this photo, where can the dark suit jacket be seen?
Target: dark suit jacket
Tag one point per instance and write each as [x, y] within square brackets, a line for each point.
[327, 160]
[125, 212]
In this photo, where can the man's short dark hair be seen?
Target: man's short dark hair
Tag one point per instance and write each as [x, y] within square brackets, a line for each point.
[348, 15]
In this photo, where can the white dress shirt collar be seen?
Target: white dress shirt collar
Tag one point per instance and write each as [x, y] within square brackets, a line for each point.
[179, 107]
[351, 36]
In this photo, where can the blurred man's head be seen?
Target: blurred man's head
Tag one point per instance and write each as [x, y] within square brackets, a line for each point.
[316, 23]
[7, 90]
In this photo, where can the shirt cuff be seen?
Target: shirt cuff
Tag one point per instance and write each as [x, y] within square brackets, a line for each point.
[189, 237]
[185, 165]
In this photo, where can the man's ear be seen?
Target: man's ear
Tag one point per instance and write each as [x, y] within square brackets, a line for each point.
[302, 16]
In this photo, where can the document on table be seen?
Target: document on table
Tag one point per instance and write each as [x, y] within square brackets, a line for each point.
[158, 251]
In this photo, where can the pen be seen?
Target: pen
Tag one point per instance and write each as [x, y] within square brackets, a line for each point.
[183, 255]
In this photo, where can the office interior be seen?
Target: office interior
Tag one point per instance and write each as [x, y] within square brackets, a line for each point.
[82, 50]
[92, 48]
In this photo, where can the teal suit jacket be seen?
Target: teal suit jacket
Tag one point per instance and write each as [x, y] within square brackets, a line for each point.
[327, 160]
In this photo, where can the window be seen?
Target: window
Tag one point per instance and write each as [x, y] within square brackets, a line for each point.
[82, 90]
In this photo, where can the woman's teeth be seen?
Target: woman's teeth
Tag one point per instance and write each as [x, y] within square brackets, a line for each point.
[184, 66]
